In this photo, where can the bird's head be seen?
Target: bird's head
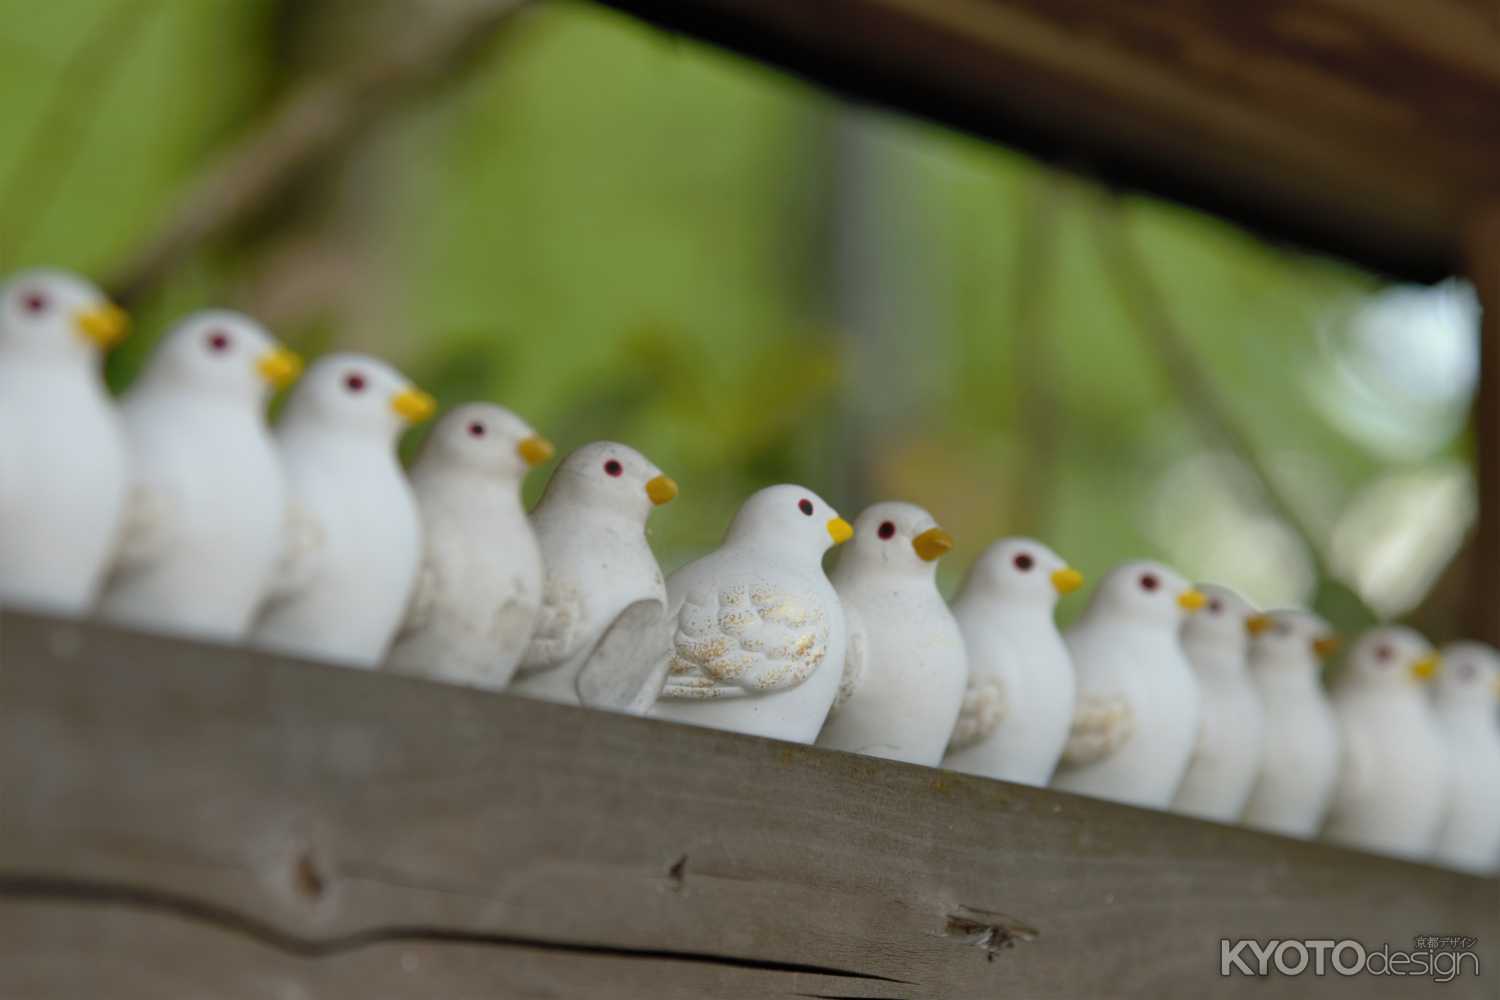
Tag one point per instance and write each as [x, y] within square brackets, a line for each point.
[1224, 620]
[1145, 593]
[58, 317]
[610, 477]
[220, 355]
[1470, 674]
[357, 394]
[484, 439]
[1022, 571]
[788, 519]
[1391, 656]
[1288, 639]
[895, 538]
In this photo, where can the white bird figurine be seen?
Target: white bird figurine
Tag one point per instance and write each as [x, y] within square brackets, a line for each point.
[480, 585]
[1232, 726]
[591, 526]
[1018, 708]
[1467, 692]
[758, 635]
[1393, 775]
[64, 471]
[906, 702]
[1300, 760]
[1137, 716]
[207, 507]
[354, 536]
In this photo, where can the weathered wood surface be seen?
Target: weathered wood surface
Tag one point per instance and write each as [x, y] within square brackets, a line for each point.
[1368, 128]
[180, 820]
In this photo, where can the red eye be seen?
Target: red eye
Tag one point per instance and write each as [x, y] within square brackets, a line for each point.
[1149, 581]
[35, 302]
[613, 467]
[354, 382]
[1466, 672]
[1215, 606]
[886, 530]
[805, 506]
[1024, 562]
[218, 342]
[1384, 653]
[476, 429]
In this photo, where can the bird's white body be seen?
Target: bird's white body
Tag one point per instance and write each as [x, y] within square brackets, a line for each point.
[1393, 777]
[590, 527]
[209, 500]
[360, 545]
[1231, 731]
[1300, 761]
[1131, 658]
[1465, 705]
[915, 670]
[64, 468]
[759, 636]
[481, 580]
[1017, 659]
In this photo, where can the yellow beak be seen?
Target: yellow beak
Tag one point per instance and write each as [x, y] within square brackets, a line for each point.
[413, 405]
[1497, 687]
[1326, 646]
[1067, 580]
[279, 366]
[1426, 668]
[661, 489]
[105, 324]
[840, 530]
[1256, 624]
[932, 543]
[534, 450]
[1192, 600]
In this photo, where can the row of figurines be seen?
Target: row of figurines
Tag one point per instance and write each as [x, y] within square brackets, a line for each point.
[179, 509]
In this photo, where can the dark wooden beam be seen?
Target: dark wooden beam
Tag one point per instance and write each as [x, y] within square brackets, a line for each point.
[1368, 130]
[184, 820]
[1481, 596]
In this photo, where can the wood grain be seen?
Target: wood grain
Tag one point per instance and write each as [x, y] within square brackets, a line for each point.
[185, 820]
[1366, 129]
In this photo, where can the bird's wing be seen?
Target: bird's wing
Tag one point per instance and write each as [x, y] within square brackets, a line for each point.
[424, 598]
[984, 708]
[856, 656]
[1101, 725]
[303, 542]
[150, 520]
[743, 637]
[625, 670]
[560, 629]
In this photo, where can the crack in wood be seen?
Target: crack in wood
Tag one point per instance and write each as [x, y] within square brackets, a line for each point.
[994, 932]
[46, 888]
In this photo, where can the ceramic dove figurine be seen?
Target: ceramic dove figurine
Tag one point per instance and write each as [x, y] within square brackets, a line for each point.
[480, 585]
[1393, 778]
[1466, 697]
[64, 470]
[758, 636]
[1300, 760]
[354, 537]
[1231, 733]
[915, 670]
[591, 527]
[1018, 707]
[208, 499]
[1137, 716]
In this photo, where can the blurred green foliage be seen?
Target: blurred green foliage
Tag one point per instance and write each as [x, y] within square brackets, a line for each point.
[620, 234]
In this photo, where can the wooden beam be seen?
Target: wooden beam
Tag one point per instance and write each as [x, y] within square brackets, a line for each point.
[1364, 129]
[180, 819]
[1481, 595]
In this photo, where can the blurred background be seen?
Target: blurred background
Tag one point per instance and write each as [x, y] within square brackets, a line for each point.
[622, 234]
